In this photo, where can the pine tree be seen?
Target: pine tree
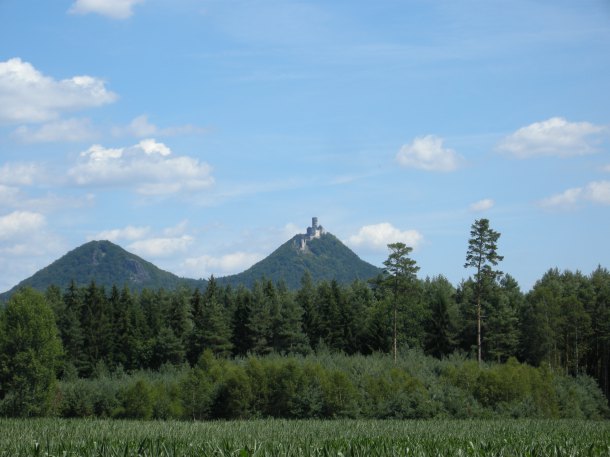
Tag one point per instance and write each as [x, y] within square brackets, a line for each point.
[400, 271]
[129, 343]
[441, 325]
[196, 338]
[501, 335]
[306, 299]
[482, 255]
[241, 336]
[360, 301]
[70, 329]
[259, 322]
[97, 330]
[290, 337]
[216, 331]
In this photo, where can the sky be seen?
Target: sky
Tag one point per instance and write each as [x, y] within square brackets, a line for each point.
[203, 134]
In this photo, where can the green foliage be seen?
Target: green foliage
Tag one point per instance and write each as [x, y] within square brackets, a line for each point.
[561, 327]
[335, 386]
[30, 351]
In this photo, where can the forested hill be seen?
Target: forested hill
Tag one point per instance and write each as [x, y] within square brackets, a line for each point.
[325, 258]
[107, 264]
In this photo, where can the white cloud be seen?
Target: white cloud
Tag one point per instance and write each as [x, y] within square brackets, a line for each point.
[150, 147]
[19, 224]
[149, 166]
[236, 262]
[176, 230]
[553, 137]
[26, 95]
[129, 233]
[8, 194]
[606, 168]
[567, 198]
[427, 153]
[594, 192]
[598, 192]
[140, 127]
[291, 229]
[70, 130]
[21, 173]
[14, 197]
[482, 205]
[114, 9]
[377, 236]
[161, 247]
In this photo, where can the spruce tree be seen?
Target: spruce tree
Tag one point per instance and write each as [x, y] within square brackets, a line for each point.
[70, 330]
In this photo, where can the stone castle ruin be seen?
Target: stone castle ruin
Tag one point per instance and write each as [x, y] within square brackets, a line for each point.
[313, 232]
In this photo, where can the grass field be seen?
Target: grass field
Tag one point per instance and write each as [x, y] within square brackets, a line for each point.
[55, 437]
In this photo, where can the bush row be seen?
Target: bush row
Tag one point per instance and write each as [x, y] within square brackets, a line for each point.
[333, 386]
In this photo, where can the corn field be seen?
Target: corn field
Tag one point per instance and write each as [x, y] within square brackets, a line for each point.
[112, 438]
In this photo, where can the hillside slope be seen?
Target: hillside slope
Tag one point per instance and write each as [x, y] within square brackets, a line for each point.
[107, 264]
[325, 258]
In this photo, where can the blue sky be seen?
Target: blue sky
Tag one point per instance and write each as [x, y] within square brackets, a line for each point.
[202, 134]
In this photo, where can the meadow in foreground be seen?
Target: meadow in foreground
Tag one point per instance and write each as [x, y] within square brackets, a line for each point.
[57, 437]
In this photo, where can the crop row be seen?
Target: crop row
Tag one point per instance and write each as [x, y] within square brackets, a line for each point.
[55, 437]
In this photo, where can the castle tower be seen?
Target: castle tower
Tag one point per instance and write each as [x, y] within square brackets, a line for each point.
[314, 223]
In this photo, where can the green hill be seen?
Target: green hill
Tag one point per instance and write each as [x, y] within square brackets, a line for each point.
[325, 258]
[107, 264]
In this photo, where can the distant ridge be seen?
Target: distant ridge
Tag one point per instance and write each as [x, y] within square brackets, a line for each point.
[107, 264]
[316, 251]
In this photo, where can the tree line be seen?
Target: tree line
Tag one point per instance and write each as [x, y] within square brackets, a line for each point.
[563, 323]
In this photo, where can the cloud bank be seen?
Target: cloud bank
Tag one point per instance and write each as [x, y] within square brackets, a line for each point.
[376, 237]
[227, 264]
[26, 95]
[595, 192]
[149, 166]
[69, 130]
[553, 137]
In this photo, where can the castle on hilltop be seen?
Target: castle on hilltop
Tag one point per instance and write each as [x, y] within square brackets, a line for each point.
[315, 231]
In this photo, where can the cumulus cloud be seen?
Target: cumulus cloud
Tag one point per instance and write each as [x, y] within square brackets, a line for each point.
[553, 137]
[140, 127]
[114, 9]
[21, 173]
[20, 223]
[8, 194]
[595, 192]
[26, 95]
[376, 237]
[427, 153]
[149, 166]
[69, 130]
[206, 265]
[129, 233]
[482, 205]
[161, 247]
